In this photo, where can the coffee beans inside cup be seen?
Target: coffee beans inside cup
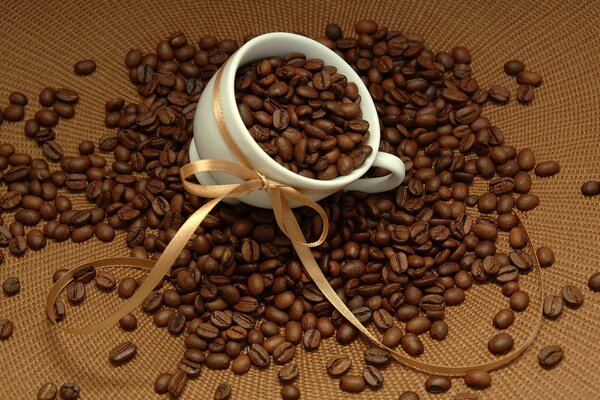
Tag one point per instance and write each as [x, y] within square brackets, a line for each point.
[304, 114]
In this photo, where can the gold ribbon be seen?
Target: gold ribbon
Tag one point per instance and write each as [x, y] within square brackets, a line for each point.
[279, 194]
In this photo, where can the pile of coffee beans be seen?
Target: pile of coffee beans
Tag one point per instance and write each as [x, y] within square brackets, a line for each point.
[303, 114]
[237, 291]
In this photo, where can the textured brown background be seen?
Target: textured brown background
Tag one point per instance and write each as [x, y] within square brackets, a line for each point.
[39, 43]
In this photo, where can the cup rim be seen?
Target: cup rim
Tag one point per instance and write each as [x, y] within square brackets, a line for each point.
[366, 103]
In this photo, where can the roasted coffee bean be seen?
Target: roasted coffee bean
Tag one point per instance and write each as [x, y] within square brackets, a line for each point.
[128, 323]
[352, 383]
[545, 256]
[338, 366]
[594, 282]
[127, 288]
[14, 112]
[46, 118]
[590, 188]
[258, 355]
[552, 306]
[76, 292]
[377, 356]
[373, 377]
[519, 301]
[52, 150]
[290, 392]
[18, 98]
[223, 392]
[69, 391]
[84, 67]
[284, 353]
[529, 78]
[161, 383]
[6, 329]
[477, 379]
[500, 344]
[47, 391]
[503, 319]
[104, 232]
[409, 395]
[242, 364]
[437, 384]
[177, 383]
[411, 344]
[11, 286]
[288, 374]
[122, 353]
[513, 67]
[572, 296]
[499, 94]
[438, 330]
[547, 168]
[550, 356]
[176, 323]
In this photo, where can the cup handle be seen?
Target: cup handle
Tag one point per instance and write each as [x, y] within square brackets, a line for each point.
[383, 183]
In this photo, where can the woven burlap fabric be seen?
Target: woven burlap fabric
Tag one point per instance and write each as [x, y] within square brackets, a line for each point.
[40, 41]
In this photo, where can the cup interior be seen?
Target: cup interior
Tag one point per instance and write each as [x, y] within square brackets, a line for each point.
[280, 44]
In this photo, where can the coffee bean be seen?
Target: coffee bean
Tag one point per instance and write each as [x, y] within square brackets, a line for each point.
[127, 288]
[409, 395]
[75, 292]
[128, 323]
[527, 202]
[552, 306]
[122, 353]
[47, 391]
[547, 168]
[14, 112]
[411, 344]
[477, 379]
[290, 392]
[258, 356]
[284, 353]
[499, 94]
[572, 296]
[64, 110]
[11, 286]
[241, 364]
[437, 384]
[161, 383]
[590, 188]
[529, 78]
[352, 383]
[69, 391]
[46, 117]
[338, 366]
[6, 329]
[418, 325]
[52, 150]
[177, 383]
[594, 282]
[104, 232]
[519, 301]
[312, 339]
[438, 330]
[513, 67]
[550, 356]
[66, 96]
[503, 319]
[288, 374]
[545, 256]
[525, 93]
[84, 67]
[373, 377]
[517, 238]
[377, 356]
[500, 344]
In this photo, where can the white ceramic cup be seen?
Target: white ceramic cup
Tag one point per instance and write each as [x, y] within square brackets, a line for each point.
[209, 144]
